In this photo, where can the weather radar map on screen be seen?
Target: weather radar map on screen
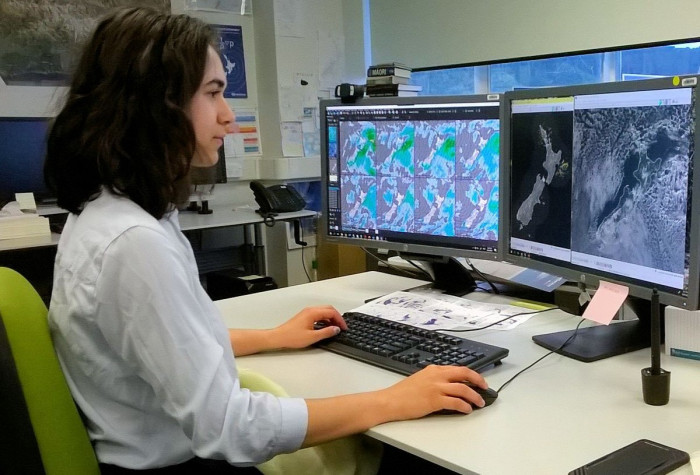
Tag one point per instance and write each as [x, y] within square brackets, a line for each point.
[420, 173]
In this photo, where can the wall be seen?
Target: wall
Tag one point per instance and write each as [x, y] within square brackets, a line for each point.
[442, 32]
[300, 60]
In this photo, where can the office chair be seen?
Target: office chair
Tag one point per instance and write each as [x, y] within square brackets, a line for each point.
[42, 431]
[354, 455]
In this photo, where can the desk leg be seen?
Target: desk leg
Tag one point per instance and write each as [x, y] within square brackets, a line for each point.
[254, 237]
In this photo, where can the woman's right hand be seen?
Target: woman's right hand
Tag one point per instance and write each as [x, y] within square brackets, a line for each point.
[436, 388]
[430, 390]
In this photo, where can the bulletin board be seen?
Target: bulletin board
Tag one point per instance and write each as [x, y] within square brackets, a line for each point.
[310, 52]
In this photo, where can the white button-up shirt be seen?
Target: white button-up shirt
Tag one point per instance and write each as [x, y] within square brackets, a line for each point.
[145, 352]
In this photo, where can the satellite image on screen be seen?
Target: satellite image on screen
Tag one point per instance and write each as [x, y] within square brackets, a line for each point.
[541, 175]
[630, 186]
[357, 153]
[395, 148]
[478, 148]
[476, 202]
[396, 204]
[435, 149]
[435, 206]
[435, 177]
[476, 209]
[358, 202]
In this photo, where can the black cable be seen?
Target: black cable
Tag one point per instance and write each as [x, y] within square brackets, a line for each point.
[483, 277]
[499, 321]
[568, 340]
[268, 219]
[303, 260]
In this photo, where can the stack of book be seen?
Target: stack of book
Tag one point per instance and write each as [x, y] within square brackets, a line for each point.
[390, 79]
[15, 223]
[23, 226]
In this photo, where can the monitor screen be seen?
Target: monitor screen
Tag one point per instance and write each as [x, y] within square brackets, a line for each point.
[22, 153]
[598, 185]
[412, 174]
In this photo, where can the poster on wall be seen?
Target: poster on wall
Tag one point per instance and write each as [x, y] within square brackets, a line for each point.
[233, 59]
[40, 40]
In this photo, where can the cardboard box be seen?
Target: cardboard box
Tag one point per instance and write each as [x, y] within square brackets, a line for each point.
[682, 333]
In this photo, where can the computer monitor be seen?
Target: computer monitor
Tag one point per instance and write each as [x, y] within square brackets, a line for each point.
[22, 154]
[598, 185]
[417, 175]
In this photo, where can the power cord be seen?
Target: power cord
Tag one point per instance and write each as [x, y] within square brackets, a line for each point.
[303, 259]
[500, 321]
[568, 340]
[483, 277]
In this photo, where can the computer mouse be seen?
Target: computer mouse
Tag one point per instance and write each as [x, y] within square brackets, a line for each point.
[488, 395]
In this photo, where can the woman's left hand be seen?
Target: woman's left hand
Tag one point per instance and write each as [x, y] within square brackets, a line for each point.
[299, 331]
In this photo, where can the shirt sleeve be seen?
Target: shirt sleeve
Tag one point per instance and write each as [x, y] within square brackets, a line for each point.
[155, 315]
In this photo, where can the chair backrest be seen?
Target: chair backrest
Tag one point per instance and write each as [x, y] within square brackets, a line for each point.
[33, 390]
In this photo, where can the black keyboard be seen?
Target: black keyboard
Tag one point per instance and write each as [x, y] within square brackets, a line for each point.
[406, 349]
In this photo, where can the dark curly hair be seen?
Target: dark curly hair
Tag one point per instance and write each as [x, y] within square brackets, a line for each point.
[124, 126]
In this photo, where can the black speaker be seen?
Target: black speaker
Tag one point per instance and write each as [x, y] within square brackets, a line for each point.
[349, 92]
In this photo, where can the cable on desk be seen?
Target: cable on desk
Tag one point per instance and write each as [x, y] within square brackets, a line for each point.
[568, 340]
[500, 321]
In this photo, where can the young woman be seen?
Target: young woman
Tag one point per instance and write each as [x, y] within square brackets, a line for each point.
[144, 350]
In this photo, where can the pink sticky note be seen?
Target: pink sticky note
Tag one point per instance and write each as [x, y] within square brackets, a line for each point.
[606, 301]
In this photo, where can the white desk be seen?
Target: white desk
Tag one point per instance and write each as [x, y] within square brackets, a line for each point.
[552, 419]
[223, 215]
[227, 214]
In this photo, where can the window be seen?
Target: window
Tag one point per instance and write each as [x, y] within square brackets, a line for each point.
[445, 82]
[660, 61]
[569, 70]
[626, 64]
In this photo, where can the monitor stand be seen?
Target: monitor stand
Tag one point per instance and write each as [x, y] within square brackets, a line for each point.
[450, 276]
[603, 341]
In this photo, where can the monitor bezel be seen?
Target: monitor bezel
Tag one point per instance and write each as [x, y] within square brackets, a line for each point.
[589, 277]
[415, 249]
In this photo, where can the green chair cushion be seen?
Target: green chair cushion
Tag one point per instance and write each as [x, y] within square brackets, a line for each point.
[59, 431]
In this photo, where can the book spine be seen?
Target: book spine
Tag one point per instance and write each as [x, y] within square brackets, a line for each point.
[374, 71]
[396, 94]
[379, 88]
[376, 80]
[382, 94]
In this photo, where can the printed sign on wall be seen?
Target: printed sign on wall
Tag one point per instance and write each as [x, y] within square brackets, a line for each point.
[233, 59]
